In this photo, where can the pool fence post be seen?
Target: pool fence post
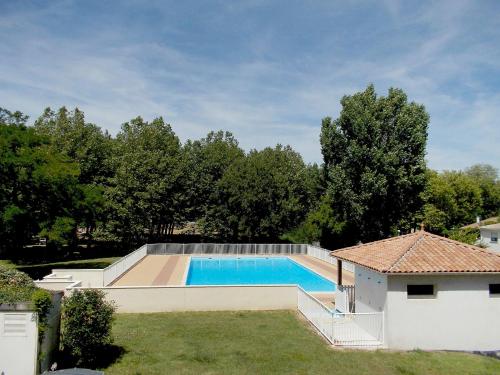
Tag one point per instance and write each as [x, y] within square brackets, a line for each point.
[183, 248]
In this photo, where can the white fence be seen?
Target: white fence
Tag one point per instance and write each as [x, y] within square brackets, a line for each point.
[324, 254]
[245, 249]
[343, 329]
[227, 248]
[116, 269]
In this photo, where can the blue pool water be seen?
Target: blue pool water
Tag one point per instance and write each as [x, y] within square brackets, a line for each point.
[256, 271]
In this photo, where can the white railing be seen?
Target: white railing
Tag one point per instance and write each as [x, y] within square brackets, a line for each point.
[358, 329]
[226, 249]
[343, 329]
[116, 269]
[324, 254]
[344, 298]
[317, 313]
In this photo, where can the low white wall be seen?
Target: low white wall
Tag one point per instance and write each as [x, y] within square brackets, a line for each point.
[122, 265]
[89, 277]
[19, 345]
[462, 316]
[202, 298]
[53, 284]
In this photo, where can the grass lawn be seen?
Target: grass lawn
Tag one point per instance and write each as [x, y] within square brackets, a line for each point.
[39, 270]
[261, 343]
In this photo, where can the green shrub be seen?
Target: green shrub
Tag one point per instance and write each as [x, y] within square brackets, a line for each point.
[15, 286]
[86, 325]
[466, 235]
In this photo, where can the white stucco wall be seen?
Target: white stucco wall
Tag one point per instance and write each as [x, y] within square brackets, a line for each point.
[462, 316]
[202, 298]
[486, 239]
[19, 344]
[88, 277]
[371, 288]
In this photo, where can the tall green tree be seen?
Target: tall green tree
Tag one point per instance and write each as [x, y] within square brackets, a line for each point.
[38, 187]
[262, 195]
[452, 199]
[83, 142]
[146, 191]
[487, 178]
[90, 147]
[205, 162]
[374, 163]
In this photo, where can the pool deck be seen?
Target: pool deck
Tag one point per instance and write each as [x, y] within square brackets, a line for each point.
[171, 269]
[155, 270]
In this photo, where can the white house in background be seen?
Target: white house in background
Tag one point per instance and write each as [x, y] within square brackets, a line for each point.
[489, 236]
[435, 293]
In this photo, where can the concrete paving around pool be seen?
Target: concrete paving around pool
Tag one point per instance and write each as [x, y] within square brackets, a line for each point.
[171, 269]
[155, 270]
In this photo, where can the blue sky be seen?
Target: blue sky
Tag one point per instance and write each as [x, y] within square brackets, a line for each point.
[268, 71]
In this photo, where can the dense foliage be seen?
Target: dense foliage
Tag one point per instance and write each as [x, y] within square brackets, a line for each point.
[16, 286]
[66, 180]
[86, 324]
[374, 163]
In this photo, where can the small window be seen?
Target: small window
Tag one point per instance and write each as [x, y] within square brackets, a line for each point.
[426, 290]
[495, 290]
[494, 237]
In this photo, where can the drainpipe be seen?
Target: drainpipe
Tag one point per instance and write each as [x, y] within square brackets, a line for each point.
[339, 272]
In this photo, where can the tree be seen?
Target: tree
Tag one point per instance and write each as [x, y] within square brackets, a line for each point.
[487, 178]
[89, 147]
[82, 142]
[146, 191]
[38, 187]
[205, 162]
[374, 163]
[320, 226]
[262, 195]
[452, 199]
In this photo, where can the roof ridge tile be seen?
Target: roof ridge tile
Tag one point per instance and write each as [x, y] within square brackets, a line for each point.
[408, 251]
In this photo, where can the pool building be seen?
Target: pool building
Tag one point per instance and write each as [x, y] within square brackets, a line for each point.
[435, 293]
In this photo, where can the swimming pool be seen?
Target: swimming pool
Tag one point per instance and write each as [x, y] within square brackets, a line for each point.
[255, 271]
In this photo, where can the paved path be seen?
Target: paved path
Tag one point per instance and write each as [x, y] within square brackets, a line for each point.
[323, 268]
[155, 270]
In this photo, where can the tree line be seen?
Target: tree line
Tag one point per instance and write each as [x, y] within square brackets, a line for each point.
[66, 180]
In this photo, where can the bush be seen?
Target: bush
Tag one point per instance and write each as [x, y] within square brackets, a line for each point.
[16, 286]
[86, 325]
[466, 235]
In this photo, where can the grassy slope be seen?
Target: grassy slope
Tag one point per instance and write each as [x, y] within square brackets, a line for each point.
[261, 343]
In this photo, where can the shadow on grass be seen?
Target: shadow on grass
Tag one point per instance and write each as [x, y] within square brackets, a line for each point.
[105, 357]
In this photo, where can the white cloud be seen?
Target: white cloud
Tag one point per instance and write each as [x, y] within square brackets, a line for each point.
[263, 97]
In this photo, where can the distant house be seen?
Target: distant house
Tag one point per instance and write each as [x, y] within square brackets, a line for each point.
[435, 293]
[480, 223]
[489, 236]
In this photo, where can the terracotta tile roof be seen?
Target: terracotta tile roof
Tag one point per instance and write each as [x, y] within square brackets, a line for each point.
[420, 252]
